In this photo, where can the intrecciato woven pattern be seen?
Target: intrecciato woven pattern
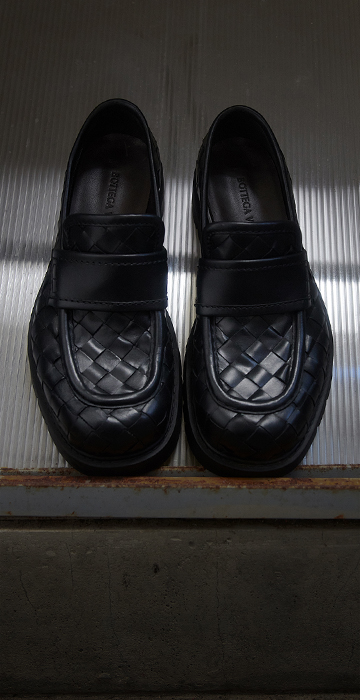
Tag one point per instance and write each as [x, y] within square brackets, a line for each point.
[100, 431]
[253, 355]
[257, 437]
[112, 350]
[98, 238]
[251, 246]
[256, 385]
[102, 349]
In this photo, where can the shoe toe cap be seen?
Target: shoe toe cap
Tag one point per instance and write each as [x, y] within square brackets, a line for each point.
[252, 437]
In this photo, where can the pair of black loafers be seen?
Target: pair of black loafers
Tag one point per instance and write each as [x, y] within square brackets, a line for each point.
[103, 353]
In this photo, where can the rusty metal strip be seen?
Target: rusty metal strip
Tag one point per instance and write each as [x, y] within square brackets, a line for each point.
[171, 497]
[154, 482]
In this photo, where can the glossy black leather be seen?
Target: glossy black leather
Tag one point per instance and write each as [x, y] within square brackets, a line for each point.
[259, 358]
[110, 282]
[248, 287]
[102, 349]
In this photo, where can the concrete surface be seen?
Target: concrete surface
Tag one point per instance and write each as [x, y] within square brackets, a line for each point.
[162, 607]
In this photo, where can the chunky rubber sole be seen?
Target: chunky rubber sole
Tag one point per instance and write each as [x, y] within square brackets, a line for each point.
[137, 465]
[223, 465]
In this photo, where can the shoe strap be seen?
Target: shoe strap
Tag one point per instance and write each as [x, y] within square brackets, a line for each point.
[252, 287]
[108, 282]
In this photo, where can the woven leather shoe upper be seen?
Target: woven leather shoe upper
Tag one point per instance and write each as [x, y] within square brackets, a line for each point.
[256, 382]
[102, 349]
[258, 371]
[113, 353]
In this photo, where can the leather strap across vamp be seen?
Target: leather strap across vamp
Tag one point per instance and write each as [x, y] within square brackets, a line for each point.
[259, 359]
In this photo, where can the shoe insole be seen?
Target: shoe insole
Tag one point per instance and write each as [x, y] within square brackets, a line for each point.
[112, 177]
[243, 183]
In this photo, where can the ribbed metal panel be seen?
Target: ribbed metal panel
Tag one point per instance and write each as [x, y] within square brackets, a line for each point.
[181, 61]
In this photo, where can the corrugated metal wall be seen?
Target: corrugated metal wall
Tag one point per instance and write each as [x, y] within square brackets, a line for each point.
[181, 61]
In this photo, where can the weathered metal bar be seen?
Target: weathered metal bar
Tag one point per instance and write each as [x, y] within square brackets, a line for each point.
[309, 471]
[179, 497]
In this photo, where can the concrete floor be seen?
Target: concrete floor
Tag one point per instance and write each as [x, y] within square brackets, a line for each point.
[159, 607]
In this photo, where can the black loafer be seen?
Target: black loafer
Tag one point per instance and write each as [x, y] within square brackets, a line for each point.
[103, 354]
[259, 358]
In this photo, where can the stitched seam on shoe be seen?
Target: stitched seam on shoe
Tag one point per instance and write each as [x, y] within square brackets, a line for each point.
[229, 232]
[119, 303]
[86, 223]
[96, 262]
[250, 306]
[215, 351]
[249, 269]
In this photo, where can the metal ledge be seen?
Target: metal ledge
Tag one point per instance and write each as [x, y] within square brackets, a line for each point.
[303, 471]
[179, 497]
